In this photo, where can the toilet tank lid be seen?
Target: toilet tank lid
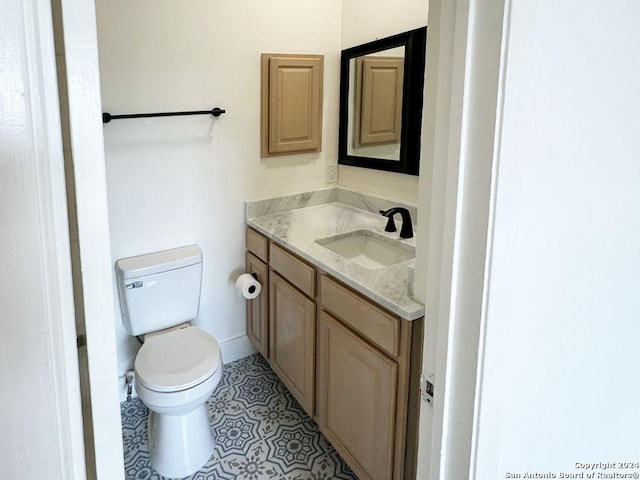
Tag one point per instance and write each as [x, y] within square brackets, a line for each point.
[157, 262]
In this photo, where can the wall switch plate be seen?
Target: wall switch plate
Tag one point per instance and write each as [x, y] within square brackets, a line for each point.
[332, 173]
[426, 387]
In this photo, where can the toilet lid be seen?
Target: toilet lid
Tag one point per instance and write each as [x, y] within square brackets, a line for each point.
[177, 360]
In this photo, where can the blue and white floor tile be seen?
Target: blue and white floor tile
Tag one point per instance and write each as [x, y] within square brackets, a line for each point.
[261, 432]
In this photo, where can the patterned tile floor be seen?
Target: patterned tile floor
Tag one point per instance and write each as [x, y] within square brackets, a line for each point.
[261, 432]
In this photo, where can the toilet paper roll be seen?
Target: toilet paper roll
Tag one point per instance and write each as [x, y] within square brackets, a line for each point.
[247, 286]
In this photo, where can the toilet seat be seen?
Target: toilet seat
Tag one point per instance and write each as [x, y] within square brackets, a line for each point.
[177, 360]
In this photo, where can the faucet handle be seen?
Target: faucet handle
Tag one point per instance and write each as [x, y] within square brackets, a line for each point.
[391, 225]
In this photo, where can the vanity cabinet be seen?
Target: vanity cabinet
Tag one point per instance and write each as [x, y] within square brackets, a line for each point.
[292, 324]
[257, 257]
[356, 398]
[281, 322]
[258, 308]
[352, 365]
[368, 399]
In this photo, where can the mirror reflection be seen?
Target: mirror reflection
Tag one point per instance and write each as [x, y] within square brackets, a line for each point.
[381, 87]
[375, 104]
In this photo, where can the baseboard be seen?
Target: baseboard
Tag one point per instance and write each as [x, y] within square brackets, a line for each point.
[232, 349]
[236, 348]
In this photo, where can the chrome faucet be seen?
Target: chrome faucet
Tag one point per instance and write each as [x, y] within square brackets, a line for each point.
[407, 228]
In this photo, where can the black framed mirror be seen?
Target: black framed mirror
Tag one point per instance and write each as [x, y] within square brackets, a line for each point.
[381, 89]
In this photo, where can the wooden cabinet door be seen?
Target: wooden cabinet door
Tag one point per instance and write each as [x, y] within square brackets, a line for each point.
[258, 308]
[292, 323]
[291, 103]
[357, 389]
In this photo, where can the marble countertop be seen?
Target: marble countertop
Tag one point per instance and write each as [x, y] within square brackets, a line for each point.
[299, 228]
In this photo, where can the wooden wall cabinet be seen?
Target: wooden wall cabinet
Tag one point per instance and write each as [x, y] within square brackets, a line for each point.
[291, 104]
[353, 366]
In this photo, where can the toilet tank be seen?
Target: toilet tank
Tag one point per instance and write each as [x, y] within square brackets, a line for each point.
[159, 290]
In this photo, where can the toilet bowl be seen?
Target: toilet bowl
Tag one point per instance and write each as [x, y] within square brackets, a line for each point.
[176, 371]
[178, 365]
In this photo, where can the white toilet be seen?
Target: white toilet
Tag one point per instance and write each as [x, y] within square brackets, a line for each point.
[179, 365]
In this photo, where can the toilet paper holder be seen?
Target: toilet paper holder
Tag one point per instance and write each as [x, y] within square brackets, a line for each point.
[252, 289]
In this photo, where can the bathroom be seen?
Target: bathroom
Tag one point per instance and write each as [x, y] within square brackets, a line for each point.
[572, 357]
[184, 180]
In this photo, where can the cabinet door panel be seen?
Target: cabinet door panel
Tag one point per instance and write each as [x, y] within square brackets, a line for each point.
[292, 334]
[258, 308]
[357, 399]
[291, 103]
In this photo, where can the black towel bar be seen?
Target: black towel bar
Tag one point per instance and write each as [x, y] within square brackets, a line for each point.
[216, 112]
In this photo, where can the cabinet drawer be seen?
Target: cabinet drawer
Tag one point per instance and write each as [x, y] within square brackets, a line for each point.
[297, 272]
[360, 314]
[258, 244]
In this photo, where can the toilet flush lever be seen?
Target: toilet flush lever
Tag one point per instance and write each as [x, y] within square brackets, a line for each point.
[137, 284]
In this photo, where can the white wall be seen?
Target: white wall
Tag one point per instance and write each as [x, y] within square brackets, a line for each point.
[364, 21]
[367, 20]
[175, 181]
[560, 379]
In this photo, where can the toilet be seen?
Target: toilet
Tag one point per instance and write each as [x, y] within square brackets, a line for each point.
[178, 365]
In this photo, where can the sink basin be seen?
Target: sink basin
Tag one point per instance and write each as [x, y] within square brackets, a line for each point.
[369, 249]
